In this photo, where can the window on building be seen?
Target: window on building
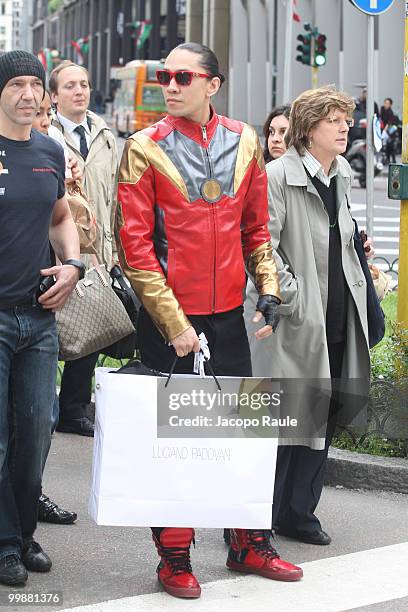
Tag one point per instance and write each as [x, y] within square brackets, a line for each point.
[3, 8]
[181, 7]
[2, 30]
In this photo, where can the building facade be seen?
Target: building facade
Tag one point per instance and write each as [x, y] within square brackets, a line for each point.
[103, 34]
[15, 32]
[249, 37]
[6, 25]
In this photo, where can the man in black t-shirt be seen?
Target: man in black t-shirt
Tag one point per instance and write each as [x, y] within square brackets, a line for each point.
[33, 211]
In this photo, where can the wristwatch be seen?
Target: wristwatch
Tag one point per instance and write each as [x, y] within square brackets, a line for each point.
[78, 264]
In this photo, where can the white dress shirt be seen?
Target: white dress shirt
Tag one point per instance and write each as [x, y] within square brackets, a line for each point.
[69, 127]
[315, 168]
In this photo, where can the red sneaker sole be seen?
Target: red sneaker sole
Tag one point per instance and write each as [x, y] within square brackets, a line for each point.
[182, 593]
[283, 577]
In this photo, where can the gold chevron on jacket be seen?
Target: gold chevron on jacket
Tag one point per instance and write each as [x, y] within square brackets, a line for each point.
[248, 143]
[140, 152]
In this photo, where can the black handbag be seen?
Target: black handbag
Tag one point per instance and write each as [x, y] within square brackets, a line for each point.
[134, 366]
[375, 315]
[125, 348]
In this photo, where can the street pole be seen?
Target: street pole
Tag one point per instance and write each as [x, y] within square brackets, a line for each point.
[402, 313]
[315, 72]
[369, 130]
[315, 69]
[312, 48]
[288, 52]
[341, 51]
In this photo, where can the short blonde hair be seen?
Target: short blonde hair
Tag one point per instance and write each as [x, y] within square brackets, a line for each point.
[311, 107]
[53, 82]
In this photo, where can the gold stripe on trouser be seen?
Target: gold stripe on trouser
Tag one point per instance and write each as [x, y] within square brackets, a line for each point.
[262, 268]
[156, 296]
[140, 152]
[249, 148]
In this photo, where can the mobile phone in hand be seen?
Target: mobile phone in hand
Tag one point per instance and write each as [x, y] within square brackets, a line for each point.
[46, 283]
[364, 237]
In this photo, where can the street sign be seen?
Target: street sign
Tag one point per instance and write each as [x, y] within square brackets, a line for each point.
[372, 7]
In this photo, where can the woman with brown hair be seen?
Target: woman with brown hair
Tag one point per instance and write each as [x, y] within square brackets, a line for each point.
[323, 332]
[274, 130]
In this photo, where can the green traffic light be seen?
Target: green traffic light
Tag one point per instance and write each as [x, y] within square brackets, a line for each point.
[320, 50]
[312, 47]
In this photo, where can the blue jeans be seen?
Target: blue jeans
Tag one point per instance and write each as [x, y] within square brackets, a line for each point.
[28, 366]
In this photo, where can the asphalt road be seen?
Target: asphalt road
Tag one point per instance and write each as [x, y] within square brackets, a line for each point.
[94, 564]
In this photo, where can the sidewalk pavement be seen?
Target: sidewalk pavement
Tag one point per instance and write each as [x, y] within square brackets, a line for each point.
[93, 564]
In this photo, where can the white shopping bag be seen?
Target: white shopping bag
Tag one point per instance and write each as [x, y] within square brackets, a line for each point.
[139, 479]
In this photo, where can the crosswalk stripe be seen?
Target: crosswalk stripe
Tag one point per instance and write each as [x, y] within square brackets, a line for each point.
[360, 206]
[329, 585]
[387, 252]
[385, 239]
[382, 219]
[387, 228]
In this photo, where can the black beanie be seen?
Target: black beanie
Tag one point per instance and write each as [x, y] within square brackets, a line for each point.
[19, 63]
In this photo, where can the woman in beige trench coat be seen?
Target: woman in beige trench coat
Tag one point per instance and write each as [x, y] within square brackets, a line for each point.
[323, 329]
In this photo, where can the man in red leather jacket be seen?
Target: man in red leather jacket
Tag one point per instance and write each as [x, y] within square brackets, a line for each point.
[192, 216]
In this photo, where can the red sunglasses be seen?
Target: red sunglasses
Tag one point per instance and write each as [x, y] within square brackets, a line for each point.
[182, 77]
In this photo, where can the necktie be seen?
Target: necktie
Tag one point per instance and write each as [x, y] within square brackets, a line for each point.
[83, 147]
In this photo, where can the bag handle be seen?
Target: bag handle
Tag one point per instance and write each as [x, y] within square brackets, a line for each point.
[208, 365]
[95, 261]
[116, 274]
[96, 264]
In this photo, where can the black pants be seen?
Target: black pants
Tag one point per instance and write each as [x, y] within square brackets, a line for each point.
[227, 341]
[390, 151]
[300, 470]
[76, 387]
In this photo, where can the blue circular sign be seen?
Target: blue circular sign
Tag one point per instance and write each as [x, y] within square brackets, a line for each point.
[372, 7]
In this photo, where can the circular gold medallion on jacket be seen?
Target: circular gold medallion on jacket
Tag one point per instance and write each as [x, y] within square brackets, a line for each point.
[211, 190]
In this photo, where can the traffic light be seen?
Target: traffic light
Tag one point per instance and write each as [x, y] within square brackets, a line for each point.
[305, 48]
[319, 51]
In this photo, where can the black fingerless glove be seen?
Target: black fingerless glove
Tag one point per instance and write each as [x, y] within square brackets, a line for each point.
[269, 306]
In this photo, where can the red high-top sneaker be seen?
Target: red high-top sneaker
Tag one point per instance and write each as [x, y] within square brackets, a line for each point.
[174, 570]
[251, 552]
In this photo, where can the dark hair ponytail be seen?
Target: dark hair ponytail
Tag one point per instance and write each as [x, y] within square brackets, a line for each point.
[208, 59]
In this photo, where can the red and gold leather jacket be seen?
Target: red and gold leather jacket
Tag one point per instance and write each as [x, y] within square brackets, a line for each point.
[192, 213]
